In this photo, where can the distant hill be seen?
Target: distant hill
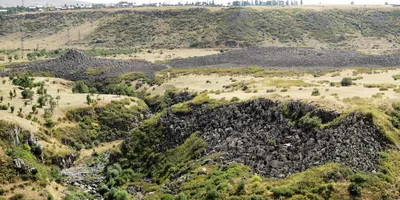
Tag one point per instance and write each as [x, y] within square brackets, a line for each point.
[8, 3]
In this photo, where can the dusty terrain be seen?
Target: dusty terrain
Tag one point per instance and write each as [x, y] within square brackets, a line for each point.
[55, 87]
[295, 87]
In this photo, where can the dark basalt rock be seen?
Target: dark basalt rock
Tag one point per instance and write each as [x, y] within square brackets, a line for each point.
[258, 134]
[73, 66]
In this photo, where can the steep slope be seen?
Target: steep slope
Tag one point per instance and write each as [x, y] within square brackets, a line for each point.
[230, 27]
[204, 145]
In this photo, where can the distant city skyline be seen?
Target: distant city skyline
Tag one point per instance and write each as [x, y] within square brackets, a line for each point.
[306, 2]
[223, 2]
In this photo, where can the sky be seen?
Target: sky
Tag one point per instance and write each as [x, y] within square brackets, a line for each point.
[310, 2]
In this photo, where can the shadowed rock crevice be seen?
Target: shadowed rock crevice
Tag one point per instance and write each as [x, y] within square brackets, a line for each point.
[257, 133]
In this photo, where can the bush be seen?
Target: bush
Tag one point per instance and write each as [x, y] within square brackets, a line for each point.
[241, 189]
[310, 122]
[80, 87]
[315, 92]
[121, 195]
[167, 197]
[50, 197]
[354, 189]
[282, 191]
[3, 191]
[346, 81]
[49, 122]
[235, 99]
[17, 197]
[212, 194]
[181, 196]
[27, 94]
[358, 178]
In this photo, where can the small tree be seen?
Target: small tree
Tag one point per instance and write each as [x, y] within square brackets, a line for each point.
[11, 94]
[12, 109]
[10, 58]
[41, 101]
[1, 99]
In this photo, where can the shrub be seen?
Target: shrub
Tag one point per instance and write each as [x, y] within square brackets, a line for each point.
[358, 178]
[167, 197]
[354, 189]
[50, 197]
[212, 194]
[315, 92]
[121, 195]
[17, 197]
[284, 90]
[310, 122]
[235, 99]
[270, 90]
[80, 87]
[282, 191]
[27, 94]
[346, 81]
[181, 196]
[3, 191]
[49, 122]
[241, 189]
[3, 107]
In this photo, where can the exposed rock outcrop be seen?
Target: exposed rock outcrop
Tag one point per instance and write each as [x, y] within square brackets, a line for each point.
[19, 164]
[257, 133]
[66, 161]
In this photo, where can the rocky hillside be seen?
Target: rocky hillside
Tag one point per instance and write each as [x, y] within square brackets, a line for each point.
[232, 27]
[276, 141]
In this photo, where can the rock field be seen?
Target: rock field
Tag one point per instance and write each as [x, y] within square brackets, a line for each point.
[288, 58]
[74, 66]
[258, 134]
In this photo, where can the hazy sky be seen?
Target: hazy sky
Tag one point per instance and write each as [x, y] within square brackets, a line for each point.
[225, 1]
